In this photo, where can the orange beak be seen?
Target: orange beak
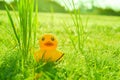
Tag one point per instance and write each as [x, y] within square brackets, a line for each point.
[49, 44]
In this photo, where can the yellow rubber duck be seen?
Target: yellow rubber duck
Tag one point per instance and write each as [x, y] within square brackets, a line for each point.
[48, 44]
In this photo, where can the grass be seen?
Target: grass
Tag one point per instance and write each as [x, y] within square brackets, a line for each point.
[79, 29]
[100, 61]
[24, 35]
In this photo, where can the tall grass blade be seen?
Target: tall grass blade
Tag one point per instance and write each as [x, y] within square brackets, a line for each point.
[12, 24]
[68, 32]
[79, 27]
[26, 33]
[35, 22]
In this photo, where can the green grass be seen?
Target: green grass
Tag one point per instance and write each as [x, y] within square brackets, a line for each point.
[100, 61]
[24, 35]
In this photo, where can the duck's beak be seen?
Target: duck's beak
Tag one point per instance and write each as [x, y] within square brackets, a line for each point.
[48, 44]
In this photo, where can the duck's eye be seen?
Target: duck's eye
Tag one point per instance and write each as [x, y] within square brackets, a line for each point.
[52, 38]
[43, 39]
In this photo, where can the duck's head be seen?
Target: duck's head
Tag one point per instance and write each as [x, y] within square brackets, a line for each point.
[48, 42]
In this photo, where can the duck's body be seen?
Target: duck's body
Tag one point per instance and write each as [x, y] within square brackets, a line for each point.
[48, 52]
[48, 55]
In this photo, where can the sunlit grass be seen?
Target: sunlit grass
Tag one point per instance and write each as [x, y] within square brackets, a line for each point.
[101, 59]
[78, 31]
[23, 25]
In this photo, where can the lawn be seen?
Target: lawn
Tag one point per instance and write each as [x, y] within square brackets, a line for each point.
[100, 60]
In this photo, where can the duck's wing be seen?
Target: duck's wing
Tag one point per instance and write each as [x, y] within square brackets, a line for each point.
[57, 55]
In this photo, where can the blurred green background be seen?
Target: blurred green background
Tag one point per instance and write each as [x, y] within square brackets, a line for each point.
[102, 7]
[95, 55]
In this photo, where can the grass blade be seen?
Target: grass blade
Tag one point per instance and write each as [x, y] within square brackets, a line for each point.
[13, 26]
